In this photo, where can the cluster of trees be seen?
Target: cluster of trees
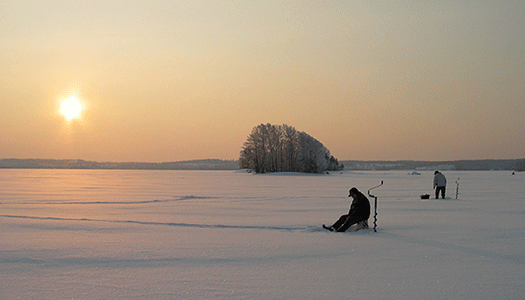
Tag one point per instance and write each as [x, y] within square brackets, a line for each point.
[281, 148]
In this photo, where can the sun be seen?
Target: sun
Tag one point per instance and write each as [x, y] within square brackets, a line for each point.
[71, 108]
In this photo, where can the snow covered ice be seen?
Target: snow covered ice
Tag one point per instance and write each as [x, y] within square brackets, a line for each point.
[129, 234]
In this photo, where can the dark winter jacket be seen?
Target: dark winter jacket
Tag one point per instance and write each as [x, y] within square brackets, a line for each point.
[360, 206]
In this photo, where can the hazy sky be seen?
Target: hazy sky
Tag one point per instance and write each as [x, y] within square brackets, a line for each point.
[179, 80]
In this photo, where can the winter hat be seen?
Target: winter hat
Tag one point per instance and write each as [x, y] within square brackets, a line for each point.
[353, 191]
[436, 172]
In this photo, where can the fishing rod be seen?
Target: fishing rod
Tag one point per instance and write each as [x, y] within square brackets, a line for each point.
[375, 204]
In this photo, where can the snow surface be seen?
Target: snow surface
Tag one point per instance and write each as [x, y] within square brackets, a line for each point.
[115, 234]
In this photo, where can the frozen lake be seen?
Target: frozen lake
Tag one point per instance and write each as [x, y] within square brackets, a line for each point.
[129, 234]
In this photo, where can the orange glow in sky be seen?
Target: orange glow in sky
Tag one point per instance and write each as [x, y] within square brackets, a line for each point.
[181, 80]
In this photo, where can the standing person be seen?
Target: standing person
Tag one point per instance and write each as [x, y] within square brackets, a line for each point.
[440, 184]
[358, 214]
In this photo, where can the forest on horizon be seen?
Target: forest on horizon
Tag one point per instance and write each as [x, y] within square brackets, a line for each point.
[219, 164]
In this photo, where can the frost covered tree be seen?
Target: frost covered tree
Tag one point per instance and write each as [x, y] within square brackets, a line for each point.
[281, 148]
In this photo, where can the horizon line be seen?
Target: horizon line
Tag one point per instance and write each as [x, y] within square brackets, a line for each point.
[233, 160]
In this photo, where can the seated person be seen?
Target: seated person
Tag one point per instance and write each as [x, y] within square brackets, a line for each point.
[358, 214]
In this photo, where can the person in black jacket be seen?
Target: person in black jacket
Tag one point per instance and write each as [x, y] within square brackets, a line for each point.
[358, 214]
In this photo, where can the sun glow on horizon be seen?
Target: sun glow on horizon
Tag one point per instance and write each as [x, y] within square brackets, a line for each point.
[70, 108]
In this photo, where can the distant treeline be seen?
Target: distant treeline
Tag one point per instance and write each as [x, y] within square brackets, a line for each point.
[464, 165]
[218, 164]
[203, 164]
